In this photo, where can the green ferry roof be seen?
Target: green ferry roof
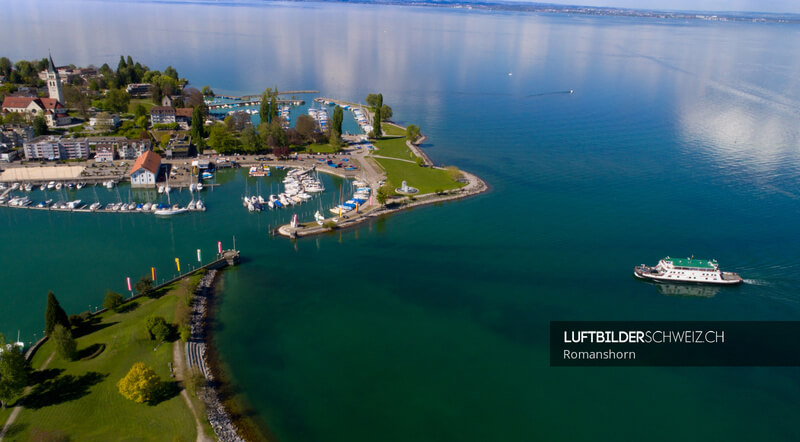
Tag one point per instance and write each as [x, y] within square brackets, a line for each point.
[692, 263]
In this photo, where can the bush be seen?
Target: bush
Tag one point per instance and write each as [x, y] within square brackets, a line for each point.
[185, 333]
[140, 384]
[157, 328]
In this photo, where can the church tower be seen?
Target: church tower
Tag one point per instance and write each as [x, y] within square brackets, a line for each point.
[53, 82]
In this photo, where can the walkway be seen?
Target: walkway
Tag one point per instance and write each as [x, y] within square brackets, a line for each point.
[177, 360]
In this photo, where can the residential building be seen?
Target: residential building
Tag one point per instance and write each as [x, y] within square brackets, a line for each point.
[183, 116]
[139, 89]
[162, 115]
[180, 146]
[121, 146]
[104, 153]
[53, 147]
[145, 170]
[16, 134]
[104, 120]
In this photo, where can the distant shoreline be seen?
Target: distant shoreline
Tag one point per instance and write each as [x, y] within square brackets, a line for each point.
[725, 16]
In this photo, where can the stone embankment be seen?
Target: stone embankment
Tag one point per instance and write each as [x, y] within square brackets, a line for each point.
[196, 348]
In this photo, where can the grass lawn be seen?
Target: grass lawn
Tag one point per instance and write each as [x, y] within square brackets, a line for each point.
[321, 148]
[137, 101]
[80, 399]
[391, 129]
[426, 179]
[395, 148]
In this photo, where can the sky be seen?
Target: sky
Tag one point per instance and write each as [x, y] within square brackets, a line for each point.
[782, 6]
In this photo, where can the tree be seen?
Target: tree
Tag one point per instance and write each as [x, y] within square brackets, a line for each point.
[157, 328]
[206, 91]
[77, 99]
[13, 373]
[198, 130]
[143, 285]
[264, 109]
[412, 133]
[39, 126]
[117, 100]
[377, 123]
[383, 194]
[54, 314]
[305, 126]
[250, 139]
[221, 140]
[113, 300]
[386, 112]
[171, 72]
[141, 121]
[372, 100]
[5, 66]
[140, 111]
[336, 121]
[140, 384]
[66, 347]
[192, 97]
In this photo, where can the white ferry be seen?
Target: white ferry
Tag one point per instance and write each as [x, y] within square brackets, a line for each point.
[687, 270]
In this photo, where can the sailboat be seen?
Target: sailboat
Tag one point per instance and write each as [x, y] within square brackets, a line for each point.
[171, 210]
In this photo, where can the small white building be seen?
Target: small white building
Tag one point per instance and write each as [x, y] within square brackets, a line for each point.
[145, 170]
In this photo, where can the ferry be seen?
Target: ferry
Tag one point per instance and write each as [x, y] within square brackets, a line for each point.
[687, 270]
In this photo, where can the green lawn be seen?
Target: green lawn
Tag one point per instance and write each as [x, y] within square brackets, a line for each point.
[321, 148]
[395, 148]
[136, 101]
[392, 130]
[80, 398]
[426, 179]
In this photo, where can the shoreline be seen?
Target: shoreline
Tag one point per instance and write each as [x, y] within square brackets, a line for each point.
[220, 394]
[475, 186]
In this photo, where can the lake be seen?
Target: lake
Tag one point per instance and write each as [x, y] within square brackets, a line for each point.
[680, 139]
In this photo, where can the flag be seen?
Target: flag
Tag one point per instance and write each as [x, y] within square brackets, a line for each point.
[219, 246]
[199, 257]
[356, 206]
[128, 280]
[178, 264]
[153, 272]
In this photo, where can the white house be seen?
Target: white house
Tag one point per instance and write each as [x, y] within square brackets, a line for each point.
[145, 170]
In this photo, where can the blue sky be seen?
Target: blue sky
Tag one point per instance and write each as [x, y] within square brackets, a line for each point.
[792, 6]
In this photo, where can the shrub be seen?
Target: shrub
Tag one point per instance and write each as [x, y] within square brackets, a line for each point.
[65, 344]
[157, 328]
[113, 300]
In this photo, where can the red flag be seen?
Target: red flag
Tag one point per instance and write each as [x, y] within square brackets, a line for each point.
[128, 279]
[219, 246]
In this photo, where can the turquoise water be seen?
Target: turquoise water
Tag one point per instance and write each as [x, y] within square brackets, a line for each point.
[679, 139]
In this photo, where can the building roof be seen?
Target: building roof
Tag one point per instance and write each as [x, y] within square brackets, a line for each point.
[184, 112]
[162, 110]
[692, 263]
[149, 161]
[17, 102]
[49, 104]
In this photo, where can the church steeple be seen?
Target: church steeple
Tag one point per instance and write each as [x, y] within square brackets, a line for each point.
[54, 82]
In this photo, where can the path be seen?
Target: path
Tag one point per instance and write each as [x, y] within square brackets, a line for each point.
[177, 362]
[393, 158]
[18, 407]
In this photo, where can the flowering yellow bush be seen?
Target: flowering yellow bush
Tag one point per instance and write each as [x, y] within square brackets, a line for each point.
[140, 384]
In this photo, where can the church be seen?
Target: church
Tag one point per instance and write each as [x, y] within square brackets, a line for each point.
[51, 108]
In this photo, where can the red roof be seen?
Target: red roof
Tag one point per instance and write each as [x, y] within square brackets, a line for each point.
[50, 103]
[149, 161]
[184, 112]
[17, 102]
[23, 102]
